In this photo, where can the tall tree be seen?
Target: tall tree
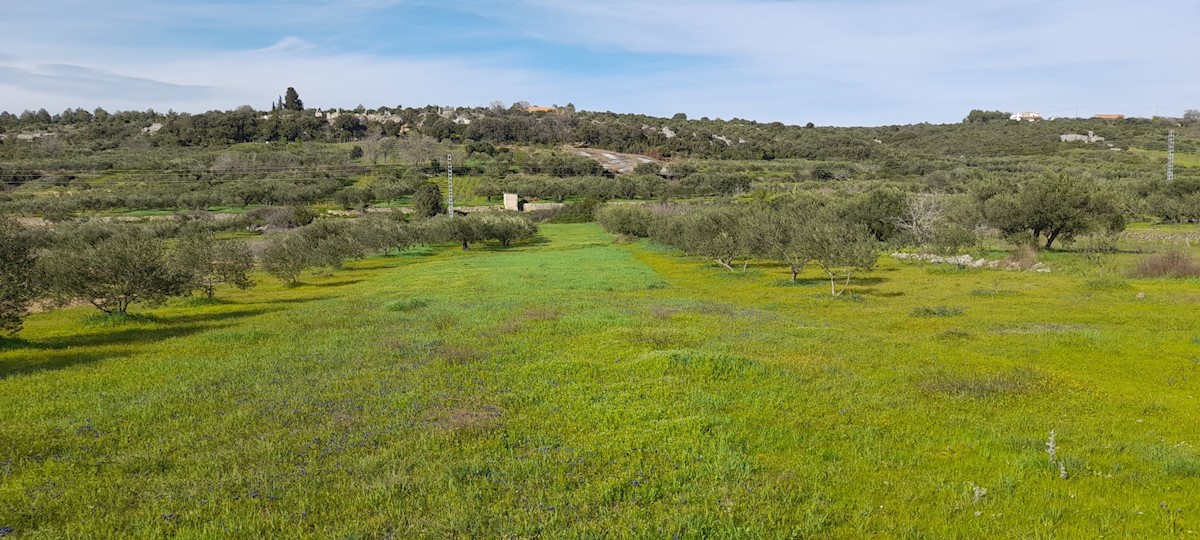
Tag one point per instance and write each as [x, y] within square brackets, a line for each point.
[291, 100]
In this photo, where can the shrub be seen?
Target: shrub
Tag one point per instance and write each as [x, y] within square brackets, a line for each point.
[625, 219]
[580, 212]
[1172, 264]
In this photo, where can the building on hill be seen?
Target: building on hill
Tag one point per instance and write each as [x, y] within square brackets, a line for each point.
[537, 109]
[1026, 117]
[1110, 117]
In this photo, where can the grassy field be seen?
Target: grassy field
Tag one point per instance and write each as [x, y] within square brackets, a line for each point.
[575, 387]
[1182, 159]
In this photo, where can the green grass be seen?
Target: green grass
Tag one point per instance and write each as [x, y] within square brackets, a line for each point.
[1182, 159]
[573, 387]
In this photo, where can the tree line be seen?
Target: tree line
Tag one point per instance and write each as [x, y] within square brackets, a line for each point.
[843, 234]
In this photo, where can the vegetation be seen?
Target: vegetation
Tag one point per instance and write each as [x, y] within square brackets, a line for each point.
[1006, 347]
[378, 400]
[111, 269]
[17, 282]
[207, 263]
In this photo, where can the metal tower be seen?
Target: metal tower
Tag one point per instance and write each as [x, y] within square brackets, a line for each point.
[450, 184]
[1171, 156]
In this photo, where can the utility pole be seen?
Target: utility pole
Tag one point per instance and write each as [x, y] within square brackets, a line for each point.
[1171, 156]
[450, 184]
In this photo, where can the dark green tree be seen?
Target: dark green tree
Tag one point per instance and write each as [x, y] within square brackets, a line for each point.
[427, 201]
[1052, 206]
[291, 100]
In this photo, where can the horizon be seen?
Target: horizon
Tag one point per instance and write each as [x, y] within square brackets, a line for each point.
[849, 64]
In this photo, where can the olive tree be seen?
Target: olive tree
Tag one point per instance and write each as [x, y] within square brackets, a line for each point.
[716, 232]
[17, 277]
[385, 234]
[124, 267]
[840, 249]
[625, 219]
[207, 262]
[287, 256]
[507, 227]
[1052, 206]
[775, 235]
[465, 230]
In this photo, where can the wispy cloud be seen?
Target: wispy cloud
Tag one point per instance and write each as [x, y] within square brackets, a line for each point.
[97, 86]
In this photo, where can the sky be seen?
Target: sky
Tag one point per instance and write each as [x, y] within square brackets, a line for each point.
[831, 62]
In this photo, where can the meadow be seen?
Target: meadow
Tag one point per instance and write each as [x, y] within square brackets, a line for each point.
[577, 387]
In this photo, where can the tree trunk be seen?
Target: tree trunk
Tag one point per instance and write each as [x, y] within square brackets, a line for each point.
[725, 264]
[794, 273]
[1051, 237]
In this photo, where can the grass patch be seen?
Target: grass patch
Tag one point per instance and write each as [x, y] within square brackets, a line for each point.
[937, 311]
[992, 293]
[955, 334]
[114, 320]
[1183, 467]
[1106, 284]
[406, 304]
[714, 367]
[981, 386]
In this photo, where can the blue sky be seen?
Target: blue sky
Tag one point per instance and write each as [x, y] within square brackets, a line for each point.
[850, 62]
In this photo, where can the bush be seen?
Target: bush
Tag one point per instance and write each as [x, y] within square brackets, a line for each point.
[626, 219]
[284, 217]
[581, 212]
[1171, 264]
